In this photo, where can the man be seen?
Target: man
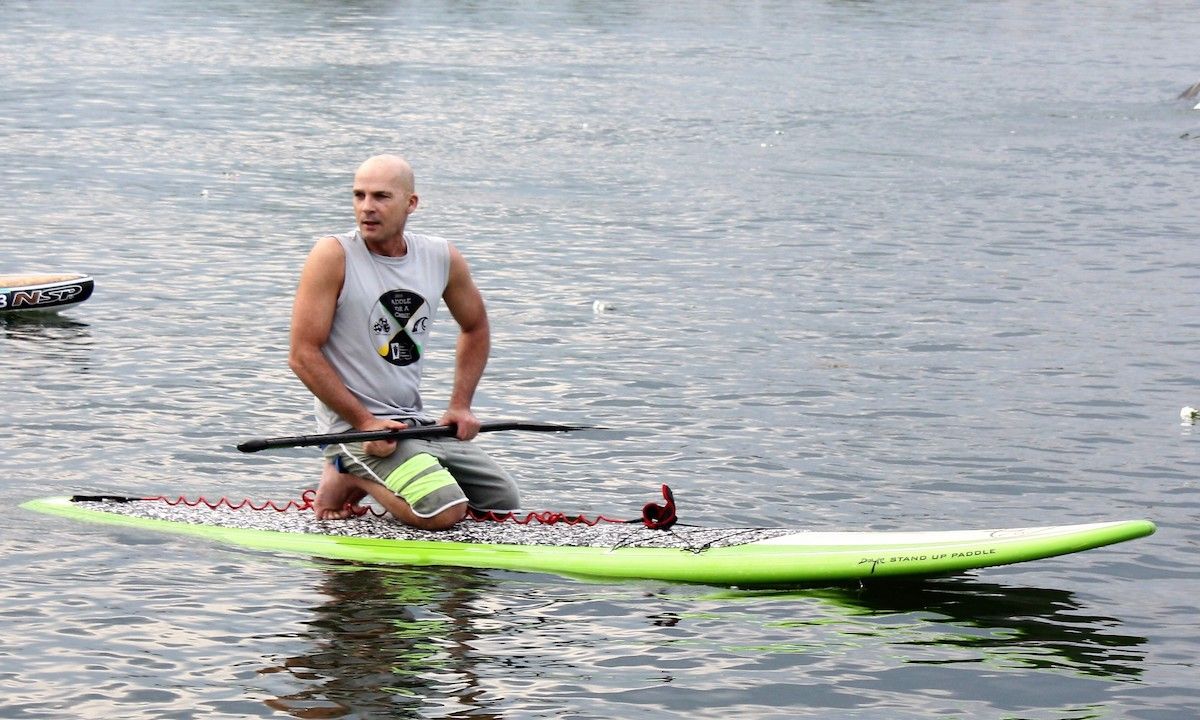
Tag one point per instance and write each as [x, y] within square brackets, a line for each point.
[361, 317]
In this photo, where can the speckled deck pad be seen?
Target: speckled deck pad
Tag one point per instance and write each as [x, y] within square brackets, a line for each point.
[605, 535]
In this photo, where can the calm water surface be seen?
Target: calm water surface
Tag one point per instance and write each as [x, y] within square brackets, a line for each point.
[873, 265]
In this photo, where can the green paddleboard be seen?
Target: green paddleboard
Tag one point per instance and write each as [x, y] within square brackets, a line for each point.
[739, 557]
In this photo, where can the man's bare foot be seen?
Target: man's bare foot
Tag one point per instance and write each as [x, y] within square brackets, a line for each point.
[337, 495]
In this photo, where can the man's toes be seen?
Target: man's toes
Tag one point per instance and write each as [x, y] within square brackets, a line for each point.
[331, 513]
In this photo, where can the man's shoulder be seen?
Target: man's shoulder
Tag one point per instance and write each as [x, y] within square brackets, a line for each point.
[340, 240]
[422, 238]
[328, 245]
[432, 244]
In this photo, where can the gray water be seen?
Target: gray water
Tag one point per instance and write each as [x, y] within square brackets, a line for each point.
[872, 265]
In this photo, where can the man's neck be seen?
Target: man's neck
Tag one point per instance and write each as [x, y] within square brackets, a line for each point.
[392, 247]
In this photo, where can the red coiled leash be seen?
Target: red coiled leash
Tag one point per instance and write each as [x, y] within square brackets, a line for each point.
[654, 515]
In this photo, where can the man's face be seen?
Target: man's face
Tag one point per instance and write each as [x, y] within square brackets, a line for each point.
[381, 204]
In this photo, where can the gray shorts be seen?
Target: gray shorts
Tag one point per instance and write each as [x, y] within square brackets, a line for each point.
[432, 474]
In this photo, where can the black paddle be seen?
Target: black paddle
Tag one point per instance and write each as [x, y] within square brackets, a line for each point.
[421, 431]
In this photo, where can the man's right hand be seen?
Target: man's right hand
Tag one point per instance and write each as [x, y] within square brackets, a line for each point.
[381, 448]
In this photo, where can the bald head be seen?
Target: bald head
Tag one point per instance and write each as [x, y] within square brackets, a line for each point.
[383, 200]
[389, 169]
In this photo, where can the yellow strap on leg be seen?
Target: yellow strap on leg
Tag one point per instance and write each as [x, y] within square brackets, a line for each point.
[419, 476]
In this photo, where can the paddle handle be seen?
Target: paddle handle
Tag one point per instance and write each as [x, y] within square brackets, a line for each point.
[421, 431]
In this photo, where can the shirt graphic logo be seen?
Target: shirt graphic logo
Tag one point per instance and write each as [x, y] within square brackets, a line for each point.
[400, 322]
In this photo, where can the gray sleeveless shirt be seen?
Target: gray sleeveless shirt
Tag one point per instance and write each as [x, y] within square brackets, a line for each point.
[382, 321]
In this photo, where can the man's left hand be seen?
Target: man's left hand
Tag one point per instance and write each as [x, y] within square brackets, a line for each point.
[464, 419]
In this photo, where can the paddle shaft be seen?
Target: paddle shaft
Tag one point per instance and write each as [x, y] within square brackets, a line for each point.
[421, 431]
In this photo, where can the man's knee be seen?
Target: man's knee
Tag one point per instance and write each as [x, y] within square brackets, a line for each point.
[443, 520]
